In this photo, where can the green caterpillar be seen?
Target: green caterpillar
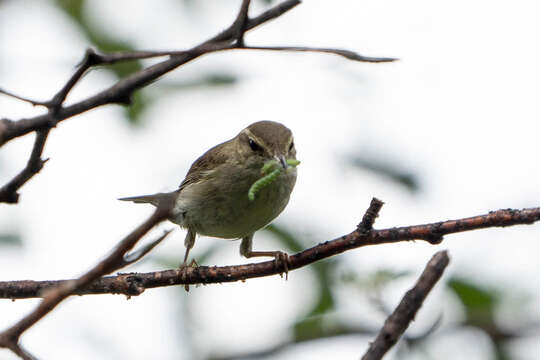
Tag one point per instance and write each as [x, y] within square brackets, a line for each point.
[270, 178]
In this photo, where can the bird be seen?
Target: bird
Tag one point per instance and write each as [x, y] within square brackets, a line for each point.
[213, 200]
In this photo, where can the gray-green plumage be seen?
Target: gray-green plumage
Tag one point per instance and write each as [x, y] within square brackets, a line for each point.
[213, 198]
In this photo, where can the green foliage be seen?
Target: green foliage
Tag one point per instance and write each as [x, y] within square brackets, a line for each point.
[139, 103]
[219, 79]
[14, 240]
[405, 178]
[310, 324]
[479, 302]
[374, 280]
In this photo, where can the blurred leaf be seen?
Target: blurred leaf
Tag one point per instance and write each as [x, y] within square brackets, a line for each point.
[174, 261]
[220, 79]
[285, 237]
[11, 240]
[309, 328]
[373, 280]
[209, 80]
[309, 324]
[73, 8]
[390, 171]
[479, 302]
[138, 105]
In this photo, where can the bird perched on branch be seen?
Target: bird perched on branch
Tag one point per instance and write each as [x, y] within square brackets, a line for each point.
[213, 198]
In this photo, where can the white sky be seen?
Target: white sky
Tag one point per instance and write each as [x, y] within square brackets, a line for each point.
[460, 109]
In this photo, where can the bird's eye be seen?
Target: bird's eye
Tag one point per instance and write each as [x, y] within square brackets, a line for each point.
[254, 146]
[291, 146]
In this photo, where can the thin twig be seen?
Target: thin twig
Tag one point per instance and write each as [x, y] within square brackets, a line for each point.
[351, 55]
[20, 352]
[8, 192]
[140, 253]
[124, 283]
[396, 324]
[9, 338]
[21, 98]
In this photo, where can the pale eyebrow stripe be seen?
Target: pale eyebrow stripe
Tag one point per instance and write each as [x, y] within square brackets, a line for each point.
[257, 139]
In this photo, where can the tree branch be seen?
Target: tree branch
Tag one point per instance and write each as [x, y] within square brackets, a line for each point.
[351, 55]
[135, 283]
[120, 93]
[8, 192]
[396, 324]
[52, 296]
[122, 90]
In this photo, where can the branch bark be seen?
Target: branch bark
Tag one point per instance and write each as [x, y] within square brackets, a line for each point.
[396, 324]
[132, 284]
[53, 296]
[8, 192]
[120, 93]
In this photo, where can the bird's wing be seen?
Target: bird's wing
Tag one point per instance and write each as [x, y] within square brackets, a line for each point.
[205, 163]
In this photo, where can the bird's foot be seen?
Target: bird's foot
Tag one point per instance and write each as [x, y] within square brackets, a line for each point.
[282, 263]
[184, 268]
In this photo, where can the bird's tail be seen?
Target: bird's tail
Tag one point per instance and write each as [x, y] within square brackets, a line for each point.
[153, 199]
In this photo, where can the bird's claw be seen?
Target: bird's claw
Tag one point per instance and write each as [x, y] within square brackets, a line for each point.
[184, 271]
[282, 263]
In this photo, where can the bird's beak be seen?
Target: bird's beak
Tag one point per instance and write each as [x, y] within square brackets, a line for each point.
[282, 161]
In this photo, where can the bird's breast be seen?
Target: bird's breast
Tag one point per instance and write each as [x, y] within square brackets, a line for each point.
[219, 206]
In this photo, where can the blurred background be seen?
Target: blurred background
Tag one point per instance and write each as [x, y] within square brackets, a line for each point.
[449, 131]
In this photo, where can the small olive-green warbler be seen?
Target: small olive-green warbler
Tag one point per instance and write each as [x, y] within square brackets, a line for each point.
[213, 198]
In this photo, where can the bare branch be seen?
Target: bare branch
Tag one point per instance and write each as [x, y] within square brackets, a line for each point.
[8, 192]
[139, 254]
[21, 98]
[370, 215]
[126, 283]
[9, 338]
[121, 92]
[20, 352]
[396, 324]
[351, 55]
